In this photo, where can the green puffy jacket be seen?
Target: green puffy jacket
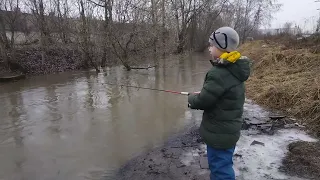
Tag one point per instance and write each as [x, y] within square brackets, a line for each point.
[222, 98]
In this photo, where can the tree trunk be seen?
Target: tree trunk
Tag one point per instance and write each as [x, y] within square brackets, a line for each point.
[107, 30]
[192, 31]
[181, 40]
[66, 25]
[104, 47]
[62, 23]
[84, 35]
[176, 15]
[12, 37]
[3, 36]
[4, 55]
[44, 34]
[154, 30]
[4, 43]
[104, 55]
[43, 25]
[163, 13]
[86, 46]
[246, 24]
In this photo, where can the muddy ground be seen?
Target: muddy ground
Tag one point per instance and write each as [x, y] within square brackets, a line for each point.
[258, 155]
[303, 159]
[169, 161]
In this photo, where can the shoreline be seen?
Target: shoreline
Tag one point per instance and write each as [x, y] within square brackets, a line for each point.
[167, 161]
[258, 154]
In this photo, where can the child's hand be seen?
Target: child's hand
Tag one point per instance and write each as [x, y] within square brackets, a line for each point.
[192, 94]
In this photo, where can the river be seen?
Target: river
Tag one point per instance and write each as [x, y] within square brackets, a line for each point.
[75, 126]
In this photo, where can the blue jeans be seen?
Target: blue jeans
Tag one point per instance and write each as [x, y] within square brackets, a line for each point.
[220, 163]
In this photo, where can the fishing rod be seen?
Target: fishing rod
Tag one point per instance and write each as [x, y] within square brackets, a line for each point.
[153, 89]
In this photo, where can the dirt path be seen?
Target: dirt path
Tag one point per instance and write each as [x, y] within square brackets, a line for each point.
[258, 155]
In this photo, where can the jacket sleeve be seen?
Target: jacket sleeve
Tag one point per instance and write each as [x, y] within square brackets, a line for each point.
[211, 91]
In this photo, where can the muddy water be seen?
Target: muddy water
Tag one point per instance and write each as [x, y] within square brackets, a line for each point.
[74, 126]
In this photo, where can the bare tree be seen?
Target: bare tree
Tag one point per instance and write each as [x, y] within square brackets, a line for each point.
[250, 14]
[9, 19]
[107, 5]
[318, 25]
[204, 23]
[186, 13]
[122, 50]
[62, 10]
[3, 38]
[287, 28]
[154, 20]
[129, 35]
[163, 25]
[12, 17]
[4, 43]
[38, 10]
[86, 44]
[133, 31]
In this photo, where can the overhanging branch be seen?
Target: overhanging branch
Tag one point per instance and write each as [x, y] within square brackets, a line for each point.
[97, 4]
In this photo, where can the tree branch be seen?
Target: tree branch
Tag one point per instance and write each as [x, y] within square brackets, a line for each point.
[97, 4]
[130, 40]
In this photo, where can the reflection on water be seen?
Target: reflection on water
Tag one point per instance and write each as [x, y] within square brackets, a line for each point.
[76, 126]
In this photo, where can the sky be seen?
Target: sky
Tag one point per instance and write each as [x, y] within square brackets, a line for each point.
[301, 12]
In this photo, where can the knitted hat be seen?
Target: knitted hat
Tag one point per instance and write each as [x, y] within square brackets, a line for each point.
[225, 39]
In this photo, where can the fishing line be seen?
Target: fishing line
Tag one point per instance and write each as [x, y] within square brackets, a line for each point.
[152, 89]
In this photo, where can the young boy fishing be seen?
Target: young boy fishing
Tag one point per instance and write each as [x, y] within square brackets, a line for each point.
[222, 98]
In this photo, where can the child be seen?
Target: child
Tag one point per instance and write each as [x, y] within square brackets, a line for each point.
[222, 98]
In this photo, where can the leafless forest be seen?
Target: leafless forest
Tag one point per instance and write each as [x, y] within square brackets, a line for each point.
[57, 35]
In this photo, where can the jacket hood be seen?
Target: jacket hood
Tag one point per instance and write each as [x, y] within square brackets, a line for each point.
[240, 69]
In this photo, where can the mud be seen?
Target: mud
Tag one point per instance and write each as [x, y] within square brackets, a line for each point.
[182, 158]
[303, 160]
[185, 158]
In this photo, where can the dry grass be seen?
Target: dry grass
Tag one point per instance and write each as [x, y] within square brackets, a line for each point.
[286, 79]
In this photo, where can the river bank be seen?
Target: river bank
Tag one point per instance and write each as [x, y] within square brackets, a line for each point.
[28, 60]
[286, 77]
[258, 155]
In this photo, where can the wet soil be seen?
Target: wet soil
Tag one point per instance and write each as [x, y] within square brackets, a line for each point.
[303, 159]
[171, 161]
